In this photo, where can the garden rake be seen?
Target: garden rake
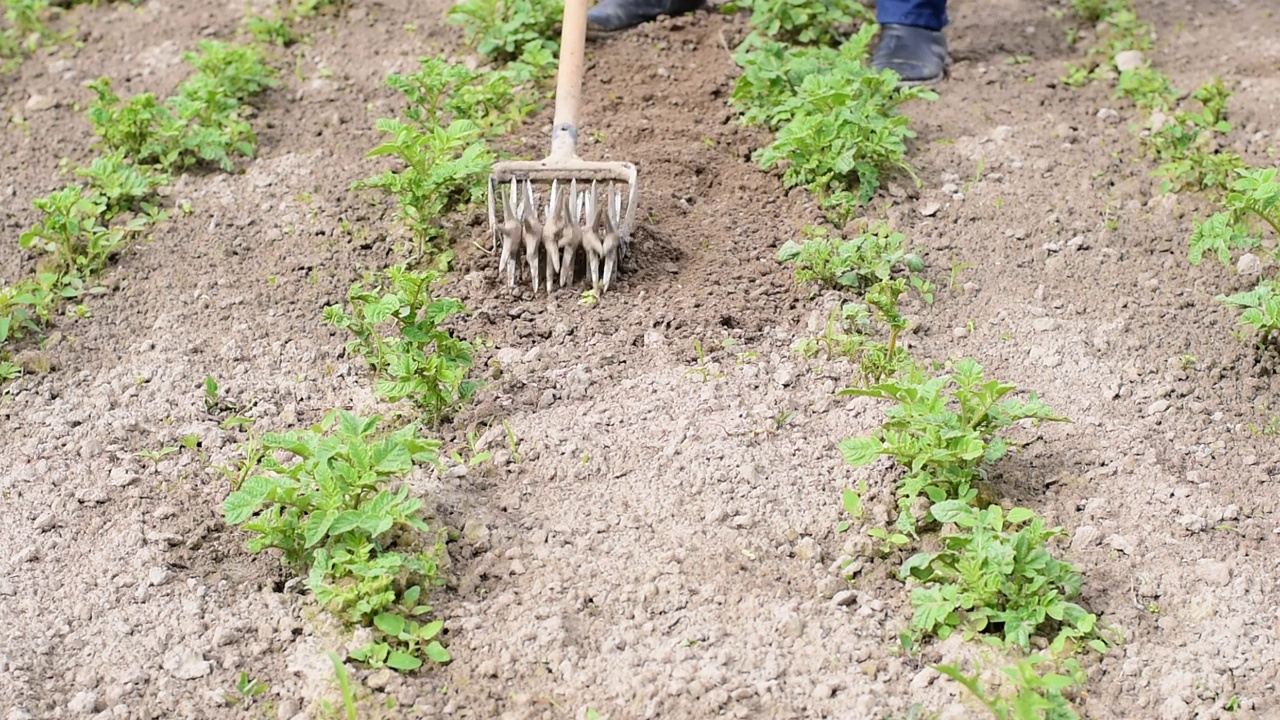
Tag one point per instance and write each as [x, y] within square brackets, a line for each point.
[551, 238]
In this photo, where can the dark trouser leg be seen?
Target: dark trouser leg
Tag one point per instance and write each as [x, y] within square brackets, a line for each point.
[927, 14]
[911, 41]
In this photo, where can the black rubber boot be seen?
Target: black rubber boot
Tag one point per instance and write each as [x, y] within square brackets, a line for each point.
[614, 15]
[917, 54]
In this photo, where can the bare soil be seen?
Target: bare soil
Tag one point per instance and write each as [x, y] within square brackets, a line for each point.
[664, 546]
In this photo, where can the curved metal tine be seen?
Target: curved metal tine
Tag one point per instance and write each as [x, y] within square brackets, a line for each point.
[551, 230]
[532, 232]
[613, 242]
[571, 239]
[591, 235]
[512, 232]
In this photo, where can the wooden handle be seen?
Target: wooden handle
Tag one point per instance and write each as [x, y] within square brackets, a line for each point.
[573, 42]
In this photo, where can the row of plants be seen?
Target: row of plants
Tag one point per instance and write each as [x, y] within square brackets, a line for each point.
[114, 202]
[1186, 134]
[994, 576]
[340, 509]
[25, 27]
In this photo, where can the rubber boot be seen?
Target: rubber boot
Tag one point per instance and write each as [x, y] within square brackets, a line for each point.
[614, 15]
[918, 55]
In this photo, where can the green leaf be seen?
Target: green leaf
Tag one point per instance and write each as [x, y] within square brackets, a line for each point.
[316, 526]
[951, 511]
[437, 653]
[389, 623]
[933, 607]
[403, 661]
[861, 450]
[430, 630]
[242, 504]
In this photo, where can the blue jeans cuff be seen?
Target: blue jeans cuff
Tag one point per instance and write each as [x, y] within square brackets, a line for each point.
[928, 15]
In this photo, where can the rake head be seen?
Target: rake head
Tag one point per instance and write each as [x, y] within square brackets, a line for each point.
[555, 234]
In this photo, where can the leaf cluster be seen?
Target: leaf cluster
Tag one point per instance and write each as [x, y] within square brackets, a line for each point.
[804, 22]
[420, 361]
[203, 124]
[504, 30]
[854, 264]
[995, 575]
[838, 130]
[330, 509]
[942, 430]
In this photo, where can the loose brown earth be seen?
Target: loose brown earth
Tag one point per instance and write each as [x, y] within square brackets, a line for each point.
[662, 549]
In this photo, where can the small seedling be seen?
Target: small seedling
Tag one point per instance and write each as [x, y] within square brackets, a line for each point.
[512, 443]
[344, 686]
[155, 456]
[702, 369]
[247, 690]
[851, 499]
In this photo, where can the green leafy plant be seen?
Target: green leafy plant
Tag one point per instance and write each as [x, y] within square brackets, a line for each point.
[422, 362]
[1148, 88]
[855, 330]
[1187, 145]
[1032, 695]
[204, 123]
[802, 21]
[332, 510]
[855, 264]
[443, 168]
[81, 227]
[504, 29]
[1252, 206]
[838, 131]
[996, 577]
[271, 30]
[441, 142]
[942, 430]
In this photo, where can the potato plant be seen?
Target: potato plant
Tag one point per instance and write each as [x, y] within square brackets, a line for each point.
[838, 130]
[421, 362]
[943, 430]
[334, 511]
